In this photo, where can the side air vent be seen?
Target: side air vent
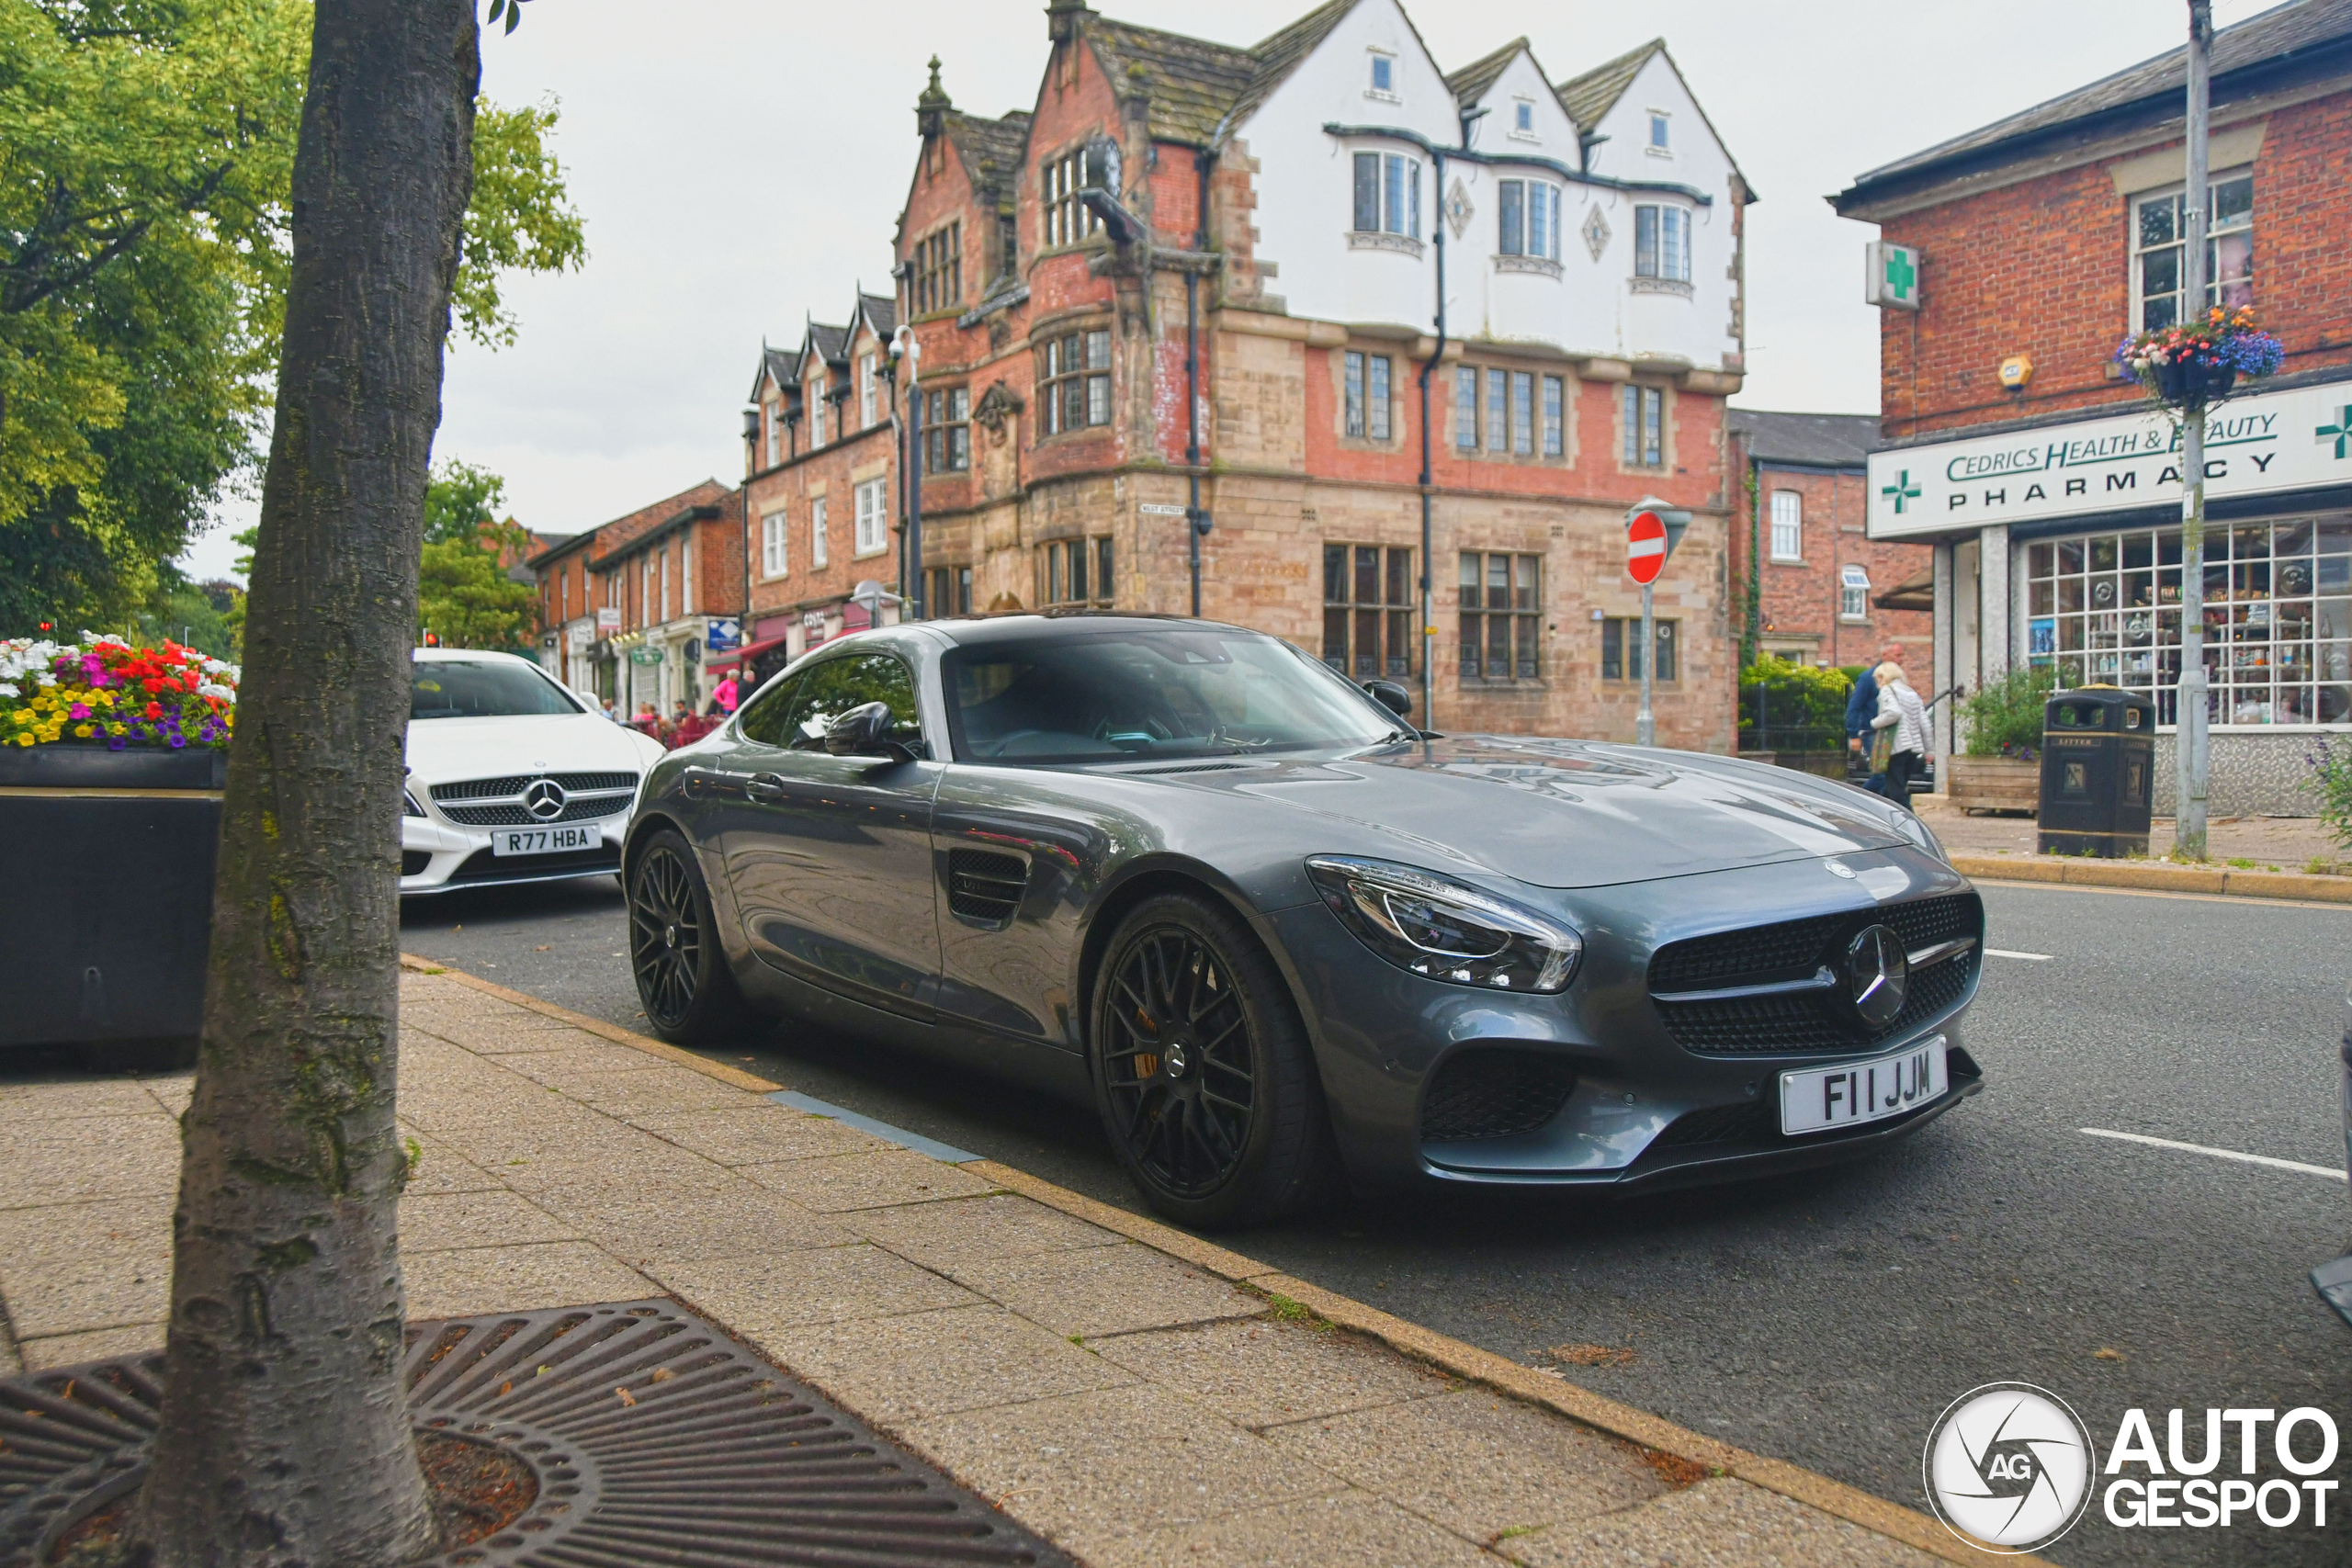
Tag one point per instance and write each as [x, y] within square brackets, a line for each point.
[1193, 768]
[984, 889]
[1491, 1093]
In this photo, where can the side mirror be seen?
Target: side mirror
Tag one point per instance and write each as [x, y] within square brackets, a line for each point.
[864, 732]
[1395, 698]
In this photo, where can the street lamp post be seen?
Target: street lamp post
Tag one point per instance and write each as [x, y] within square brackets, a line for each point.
[2190, 742]
[910, 354]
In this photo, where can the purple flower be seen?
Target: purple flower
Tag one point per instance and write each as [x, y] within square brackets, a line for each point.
[116, 743]
[178, 741]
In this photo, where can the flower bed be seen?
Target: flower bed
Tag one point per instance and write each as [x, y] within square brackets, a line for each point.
[105, 690]
[2192, 365]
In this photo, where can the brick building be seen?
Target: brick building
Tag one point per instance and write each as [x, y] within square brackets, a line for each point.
[631, 603]
[1827, 594]
[1197, 276]
[2048, 487]
[822, 493]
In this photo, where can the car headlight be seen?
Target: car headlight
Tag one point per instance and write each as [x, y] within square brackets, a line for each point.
[408, 808]
[1442, 931]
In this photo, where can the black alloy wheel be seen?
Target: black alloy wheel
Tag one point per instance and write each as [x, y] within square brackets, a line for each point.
[673, 948]
[1202, 1073]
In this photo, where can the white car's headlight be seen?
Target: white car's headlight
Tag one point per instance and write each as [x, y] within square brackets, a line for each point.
[409, 806]
[1443, 931]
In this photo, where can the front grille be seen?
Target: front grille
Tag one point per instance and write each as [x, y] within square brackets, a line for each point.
[1490, 1093]
[512, 816]
[1808, 1022]
[484, 867]
[1718, 1124]
[985, 888]
[479, 789]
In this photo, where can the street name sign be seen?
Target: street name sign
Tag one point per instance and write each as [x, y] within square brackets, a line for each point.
[1162, 509]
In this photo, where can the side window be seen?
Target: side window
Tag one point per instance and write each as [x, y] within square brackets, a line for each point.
[827, 690]
[764, 715]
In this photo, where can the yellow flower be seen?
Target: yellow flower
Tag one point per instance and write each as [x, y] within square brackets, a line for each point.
[25, 739]
[82, 731]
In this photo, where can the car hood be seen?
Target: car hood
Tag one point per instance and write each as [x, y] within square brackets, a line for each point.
[444, 750]
[1576, 813]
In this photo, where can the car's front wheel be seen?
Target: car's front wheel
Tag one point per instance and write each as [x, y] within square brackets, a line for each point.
[681, 978]
[1203, 1072]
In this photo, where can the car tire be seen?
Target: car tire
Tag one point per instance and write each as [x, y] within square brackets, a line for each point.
[690, 996]
[1203, 1072]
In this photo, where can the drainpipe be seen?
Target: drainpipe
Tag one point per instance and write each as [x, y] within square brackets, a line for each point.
[1429, 609]
[1195, 523]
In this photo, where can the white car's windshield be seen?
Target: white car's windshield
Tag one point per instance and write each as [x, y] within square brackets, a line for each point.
[1102, 696]
[487, 688]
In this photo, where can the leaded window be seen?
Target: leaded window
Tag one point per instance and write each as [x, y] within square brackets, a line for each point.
[1502, 616]
[1074, 381]
[1368, 611]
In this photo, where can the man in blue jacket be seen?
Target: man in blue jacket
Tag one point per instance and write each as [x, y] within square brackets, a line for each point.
[1861, 706]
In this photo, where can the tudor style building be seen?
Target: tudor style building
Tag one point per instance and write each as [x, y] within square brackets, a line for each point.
[2052, 494]
[1380, 325]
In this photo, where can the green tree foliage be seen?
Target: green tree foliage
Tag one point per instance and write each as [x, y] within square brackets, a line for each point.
[461, 502]
[1790, 706]
[2005, 714]
[464, 596]
[146, 154]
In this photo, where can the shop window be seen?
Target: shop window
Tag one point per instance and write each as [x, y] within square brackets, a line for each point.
[1502, 616]
[1645, 422]
[1527, 214]
[2105, 608]
[1387, 194]
[2159, 226]
[774, 554]
[1368, 611]
[1620, 649]
[1662, 243]
[1788, 525]
[947, 430]
[817, 533]
[948, 592]
[1074, 381]
[1075, 574]
[1853, 593]
[1067, 219]
[1367, 409]
[873, 522]
[939, 269]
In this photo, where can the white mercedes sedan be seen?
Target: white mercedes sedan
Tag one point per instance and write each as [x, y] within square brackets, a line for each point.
[510, 777]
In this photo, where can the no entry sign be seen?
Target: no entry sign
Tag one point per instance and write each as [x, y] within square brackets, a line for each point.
[1645, 547]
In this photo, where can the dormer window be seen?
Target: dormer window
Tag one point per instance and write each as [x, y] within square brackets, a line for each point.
[1383, 77]
[1523, 118]
[1661, 133]
[775, 432]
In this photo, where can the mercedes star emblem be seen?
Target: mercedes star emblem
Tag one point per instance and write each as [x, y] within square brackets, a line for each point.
[1878, 976]
[543, 799]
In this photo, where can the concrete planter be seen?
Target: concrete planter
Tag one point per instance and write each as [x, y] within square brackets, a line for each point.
[108, 857]
[1994, 783]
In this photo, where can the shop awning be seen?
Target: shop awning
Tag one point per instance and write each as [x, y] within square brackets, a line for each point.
[1916, 591]
[748, 651]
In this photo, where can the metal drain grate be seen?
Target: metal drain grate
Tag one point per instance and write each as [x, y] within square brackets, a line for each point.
[654, 1436]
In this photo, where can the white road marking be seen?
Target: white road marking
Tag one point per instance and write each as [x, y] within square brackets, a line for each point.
[2217, 1153]
[2028, 957]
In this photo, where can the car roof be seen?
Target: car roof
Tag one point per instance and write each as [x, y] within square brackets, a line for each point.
[434, 655]
[982, 630]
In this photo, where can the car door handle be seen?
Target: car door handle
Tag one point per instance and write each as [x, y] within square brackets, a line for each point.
[765, 787]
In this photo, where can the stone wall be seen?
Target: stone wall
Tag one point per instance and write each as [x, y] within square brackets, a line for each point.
[2253, 775]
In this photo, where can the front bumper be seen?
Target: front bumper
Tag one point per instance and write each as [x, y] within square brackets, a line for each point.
[1644, 1112]
[439, 856]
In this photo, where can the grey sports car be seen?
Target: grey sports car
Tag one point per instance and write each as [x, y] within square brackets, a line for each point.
[1279, 936]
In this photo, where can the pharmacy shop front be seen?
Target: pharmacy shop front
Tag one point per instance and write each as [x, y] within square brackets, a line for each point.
[2059, 544]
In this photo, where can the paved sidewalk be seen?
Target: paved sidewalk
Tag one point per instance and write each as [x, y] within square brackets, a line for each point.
[2271, 843]
[1169, 1403]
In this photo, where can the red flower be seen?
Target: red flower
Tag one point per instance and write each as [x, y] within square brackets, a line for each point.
[154, 710]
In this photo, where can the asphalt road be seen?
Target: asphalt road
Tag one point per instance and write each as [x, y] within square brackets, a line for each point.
[1825, 1318]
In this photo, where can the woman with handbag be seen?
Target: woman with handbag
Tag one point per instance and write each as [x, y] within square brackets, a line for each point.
[1899, 733]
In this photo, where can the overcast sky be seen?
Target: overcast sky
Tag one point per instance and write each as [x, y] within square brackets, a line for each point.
[741, 166]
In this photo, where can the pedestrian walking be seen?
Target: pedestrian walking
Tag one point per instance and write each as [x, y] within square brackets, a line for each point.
[724, 694]
[610, 711]
[1900, 727]
[1861, 711]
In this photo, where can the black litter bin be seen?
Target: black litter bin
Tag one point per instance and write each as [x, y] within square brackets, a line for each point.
[2098, 761]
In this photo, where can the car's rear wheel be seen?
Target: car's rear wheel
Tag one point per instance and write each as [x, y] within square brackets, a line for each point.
[1203, 1072]
[681, 978]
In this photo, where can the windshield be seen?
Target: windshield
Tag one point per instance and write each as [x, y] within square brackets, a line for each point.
[1109, 695]
[488, 688]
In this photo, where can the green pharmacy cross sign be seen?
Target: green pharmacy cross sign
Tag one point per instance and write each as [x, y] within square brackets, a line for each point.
[2340, 432]
[1892, 280]
[1902, 489]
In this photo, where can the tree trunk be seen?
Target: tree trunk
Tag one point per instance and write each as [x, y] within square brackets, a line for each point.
[285, 1437]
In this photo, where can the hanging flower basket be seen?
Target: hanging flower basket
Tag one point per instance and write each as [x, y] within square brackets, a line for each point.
[2197, 364]
[112, 763]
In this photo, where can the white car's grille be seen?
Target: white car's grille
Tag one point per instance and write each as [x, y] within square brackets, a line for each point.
[525, 799]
